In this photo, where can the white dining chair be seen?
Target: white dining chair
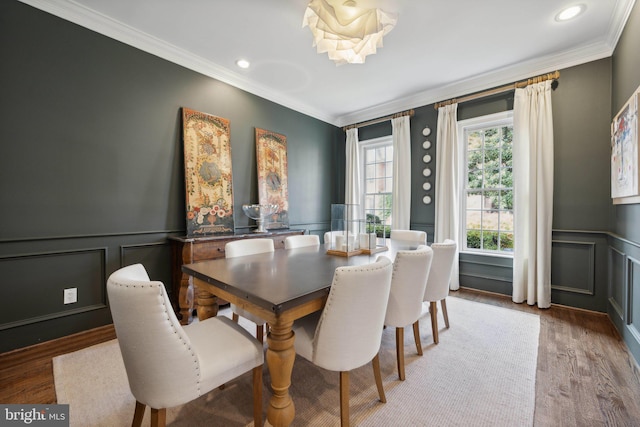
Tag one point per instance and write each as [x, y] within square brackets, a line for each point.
[347, 333]
[246, 247]
[303, 240]
[168, 364]
[437, 288]
[410, 271]
[409, 235]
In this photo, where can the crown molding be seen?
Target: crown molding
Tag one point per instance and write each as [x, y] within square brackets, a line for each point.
[619, 21]
[102, 24]
[491, 79]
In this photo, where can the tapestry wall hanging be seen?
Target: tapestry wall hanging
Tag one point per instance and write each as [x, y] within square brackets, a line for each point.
[273, 187]
[625, 155]
[207, 165]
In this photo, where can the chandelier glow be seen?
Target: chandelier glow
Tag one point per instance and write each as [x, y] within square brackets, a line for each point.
[346, 32]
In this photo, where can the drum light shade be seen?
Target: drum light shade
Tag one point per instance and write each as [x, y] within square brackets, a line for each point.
[346, 32]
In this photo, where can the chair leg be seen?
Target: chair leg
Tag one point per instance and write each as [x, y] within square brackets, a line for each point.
[400, 352]
[378, 376]
[235, 317]
[416, 337]
[443, 303]
[344, 398]
[158, 417]
[138, 414]
[433, 309]
[257, 396]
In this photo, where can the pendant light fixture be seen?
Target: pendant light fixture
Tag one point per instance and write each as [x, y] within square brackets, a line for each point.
[346, 31]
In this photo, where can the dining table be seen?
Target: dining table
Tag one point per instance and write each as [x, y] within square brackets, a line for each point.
[279, 287]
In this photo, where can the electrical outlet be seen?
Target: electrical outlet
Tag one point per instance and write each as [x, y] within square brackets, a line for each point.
[70, 295]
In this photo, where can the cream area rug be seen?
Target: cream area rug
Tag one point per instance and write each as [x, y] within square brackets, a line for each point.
[482, 373]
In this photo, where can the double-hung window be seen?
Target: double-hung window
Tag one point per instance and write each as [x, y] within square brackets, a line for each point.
[376, 158]
[486, 145]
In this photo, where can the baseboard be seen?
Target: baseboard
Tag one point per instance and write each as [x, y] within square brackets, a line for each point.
[56, 347]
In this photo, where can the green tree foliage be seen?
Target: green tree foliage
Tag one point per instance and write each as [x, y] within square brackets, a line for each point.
[490, 171]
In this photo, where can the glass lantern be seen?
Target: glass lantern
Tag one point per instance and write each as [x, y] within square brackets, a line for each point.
[346, 229]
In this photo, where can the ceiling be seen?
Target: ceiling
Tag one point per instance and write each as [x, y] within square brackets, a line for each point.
[439, 49]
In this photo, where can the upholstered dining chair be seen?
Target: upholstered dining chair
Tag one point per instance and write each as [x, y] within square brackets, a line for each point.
[409, 235]
[347, 333]
[410, 271]
[292, 242]
[168, 364]
[245, 247]
[438, 283]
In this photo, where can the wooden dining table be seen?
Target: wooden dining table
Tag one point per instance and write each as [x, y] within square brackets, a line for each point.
[279, 287]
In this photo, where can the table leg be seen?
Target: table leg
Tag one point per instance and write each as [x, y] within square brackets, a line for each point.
[185, 299]
[280, 357]
[207, 303]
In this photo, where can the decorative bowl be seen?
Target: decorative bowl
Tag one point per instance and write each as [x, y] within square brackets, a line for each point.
[258, 213]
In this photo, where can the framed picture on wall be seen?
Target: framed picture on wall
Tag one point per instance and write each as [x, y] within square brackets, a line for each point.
[625, 154]
[207, 167]
[273, 186]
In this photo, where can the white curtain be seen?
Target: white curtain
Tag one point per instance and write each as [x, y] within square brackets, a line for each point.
[401, 207]
[447, 175]
[352, 193]
[533, 194]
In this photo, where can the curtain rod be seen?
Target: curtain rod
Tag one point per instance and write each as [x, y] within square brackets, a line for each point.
[549, 76]
[409, 113]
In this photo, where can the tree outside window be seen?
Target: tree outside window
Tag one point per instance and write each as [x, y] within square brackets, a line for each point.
[488, 187]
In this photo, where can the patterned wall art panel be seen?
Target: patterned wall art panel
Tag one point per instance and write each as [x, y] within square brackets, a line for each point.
[273, 187]
[625, 155]
[207, 164]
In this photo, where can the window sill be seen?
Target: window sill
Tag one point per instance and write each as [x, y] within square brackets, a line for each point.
[487, 254]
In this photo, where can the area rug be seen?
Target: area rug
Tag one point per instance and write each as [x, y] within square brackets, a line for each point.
[482, 373]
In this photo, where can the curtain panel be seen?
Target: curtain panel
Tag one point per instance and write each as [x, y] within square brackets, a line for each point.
[447, 190]
[533, 194]
[352, 190]
[401, 206]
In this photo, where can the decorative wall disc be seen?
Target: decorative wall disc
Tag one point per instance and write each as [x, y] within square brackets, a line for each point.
[426, 131]
[426, 172]
[426, 145]
[426, 186]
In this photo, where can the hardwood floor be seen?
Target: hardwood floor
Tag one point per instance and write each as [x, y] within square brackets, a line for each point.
[585, 374]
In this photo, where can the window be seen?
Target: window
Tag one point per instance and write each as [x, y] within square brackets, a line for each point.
[487, 184]
[377, 182]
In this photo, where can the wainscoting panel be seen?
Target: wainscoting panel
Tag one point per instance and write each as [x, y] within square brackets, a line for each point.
[36, 283]
[488, 273]
[35, 273]
[617, 282]
[624, 290]
[633, 278]
[573, 266]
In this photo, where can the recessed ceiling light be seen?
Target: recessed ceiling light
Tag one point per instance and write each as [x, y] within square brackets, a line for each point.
[243, 63]
[570, 12]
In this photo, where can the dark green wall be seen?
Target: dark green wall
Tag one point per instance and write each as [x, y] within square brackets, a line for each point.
[626, 79]
[624, 250]
[91, 166]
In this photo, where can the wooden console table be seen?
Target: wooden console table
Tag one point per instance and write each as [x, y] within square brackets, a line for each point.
[188, 250]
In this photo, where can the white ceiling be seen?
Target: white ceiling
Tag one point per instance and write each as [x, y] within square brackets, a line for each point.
[439, 49]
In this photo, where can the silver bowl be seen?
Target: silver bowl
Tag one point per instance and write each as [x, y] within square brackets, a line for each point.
[259, 213]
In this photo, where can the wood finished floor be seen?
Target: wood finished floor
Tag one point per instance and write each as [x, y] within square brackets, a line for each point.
[585, 374]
